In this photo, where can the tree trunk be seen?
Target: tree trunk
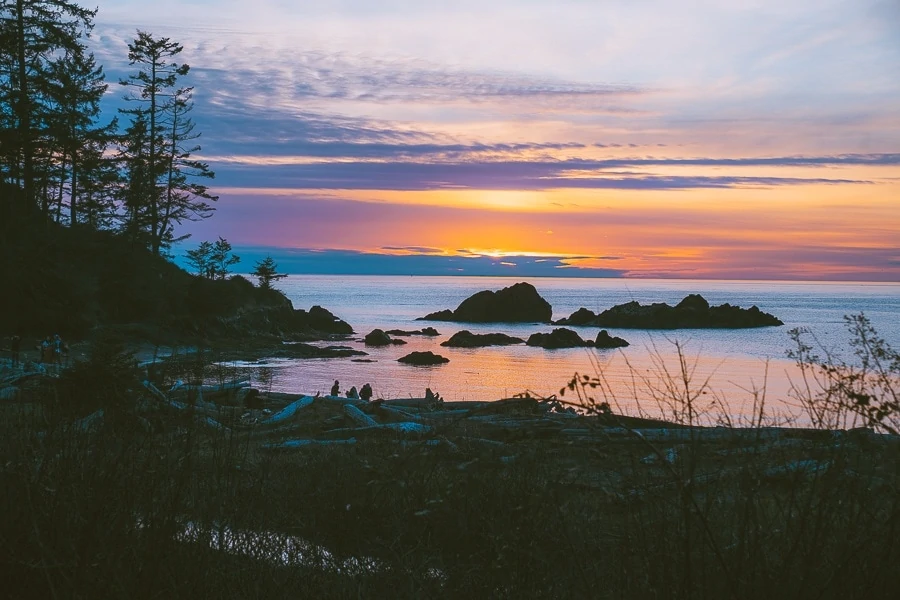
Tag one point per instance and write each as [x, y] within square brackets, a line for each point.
[24, 110]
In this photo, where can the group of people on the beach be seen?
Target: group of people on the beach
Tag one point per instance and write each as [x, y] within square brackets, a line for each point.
[52, 349]
[364, 393]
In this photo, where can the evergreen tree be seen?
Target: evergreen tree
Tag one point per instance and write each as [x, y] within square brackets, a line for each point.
[221, 259]
[266, 271]
[35, 33]
[158, 151]
[76, 87]
[200, 259]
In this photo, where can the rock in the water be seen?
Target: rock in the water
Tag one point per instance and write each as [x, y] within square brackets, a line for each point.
[427, 331]
[301, 350]
[558, 338]
[519, 303]
[377, 337]
[694, 312]
[423, 358]
[604, 340]
[582, 316]
[467, 339]
[323, 320]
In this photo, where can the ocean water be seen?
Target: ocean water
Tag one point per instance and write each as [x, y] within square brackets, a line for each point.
[728, 365]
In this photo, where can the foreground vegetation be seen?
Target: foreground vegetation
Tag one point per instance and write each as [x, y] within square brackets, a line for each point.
[149, 501]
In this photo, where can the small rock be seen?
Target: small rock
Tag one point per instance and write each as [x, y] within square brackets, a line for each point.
[423, 358]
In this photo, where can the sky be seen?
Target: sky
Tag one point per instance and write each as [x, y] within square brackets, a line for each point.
[747, 139]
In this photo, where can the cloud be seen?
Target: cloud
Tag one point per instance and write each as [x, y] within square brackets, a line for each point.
[509, 175]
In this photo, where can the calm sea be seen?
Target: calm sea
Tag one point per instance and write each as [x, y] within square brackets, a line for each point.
[735, 362]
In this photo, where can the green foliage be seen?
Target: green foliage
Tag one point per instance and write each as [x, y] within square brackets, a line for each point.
[266, 271]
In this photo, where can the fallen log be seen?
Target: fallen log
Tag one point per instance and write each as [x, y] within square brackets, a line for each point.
[406, 427]
[304, 443]
[290, 410]
[358, 416]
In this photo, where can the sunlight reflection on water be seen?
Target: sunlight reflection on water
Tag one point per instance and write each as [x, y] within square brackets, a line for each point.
[733, 360]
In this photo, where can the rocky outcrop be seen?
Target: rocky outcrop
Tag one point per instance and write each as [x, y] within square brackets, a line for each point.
[377, 337]
[519, 303]
[323, 320]
[604, 340]
[558, 338]
[301, 350]
[694, 312]
[423, 359]
[426, 331]
[467, 339]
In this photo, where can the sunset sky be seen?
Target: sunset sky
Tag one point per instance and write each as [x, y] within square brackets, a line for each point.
[641, 138]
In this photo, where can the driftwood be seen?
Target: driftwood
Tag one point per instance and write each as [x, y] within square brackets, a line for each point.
[211, 389]
[290, 410]
[358, 416]
[402, 414]
[401, 428]
[420, 403]
[305, 443]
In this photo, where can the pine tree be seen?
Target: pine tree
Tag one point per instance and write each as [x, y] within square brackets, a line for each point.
[266, 271]
[200, 259]
[159, 159]
[76, 87]
[35, 33]
[221, 259]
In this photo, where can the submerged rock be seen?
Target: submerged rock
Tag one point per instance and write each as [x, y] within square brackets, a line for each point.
[467, 339]
[694, 312]
[519, 303]
[558, 338]
[423, 358]
[377, 337]
[604, 340]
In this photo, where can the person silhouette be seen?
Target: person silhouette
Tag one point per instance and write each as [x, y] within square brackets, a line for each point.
[366, 392]
[336, 388]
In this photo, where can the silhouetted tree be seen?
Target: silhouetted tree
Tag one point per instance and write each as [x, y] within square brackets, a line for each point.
[75, 87]
[221, 259]
[266, 271]
[200, 259]
[34, 34]
[160, 171]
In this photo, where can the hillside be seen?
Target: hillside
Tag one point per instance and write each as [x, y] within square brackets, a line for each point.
[72, 281]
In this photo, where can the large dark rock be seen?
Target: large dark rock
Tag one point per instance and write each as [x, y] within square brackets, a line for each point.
[519, 303]
[426, 331]
[423, 359]
[558, 338]
[301, 350]
[604, 340]
[377, 337]
[694, 312]
[582, 316]
[322, 319]
[467, 339]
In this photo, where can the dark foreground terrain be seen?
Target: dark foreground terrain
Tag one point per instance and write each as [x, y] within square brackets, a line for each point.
[111, 486]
